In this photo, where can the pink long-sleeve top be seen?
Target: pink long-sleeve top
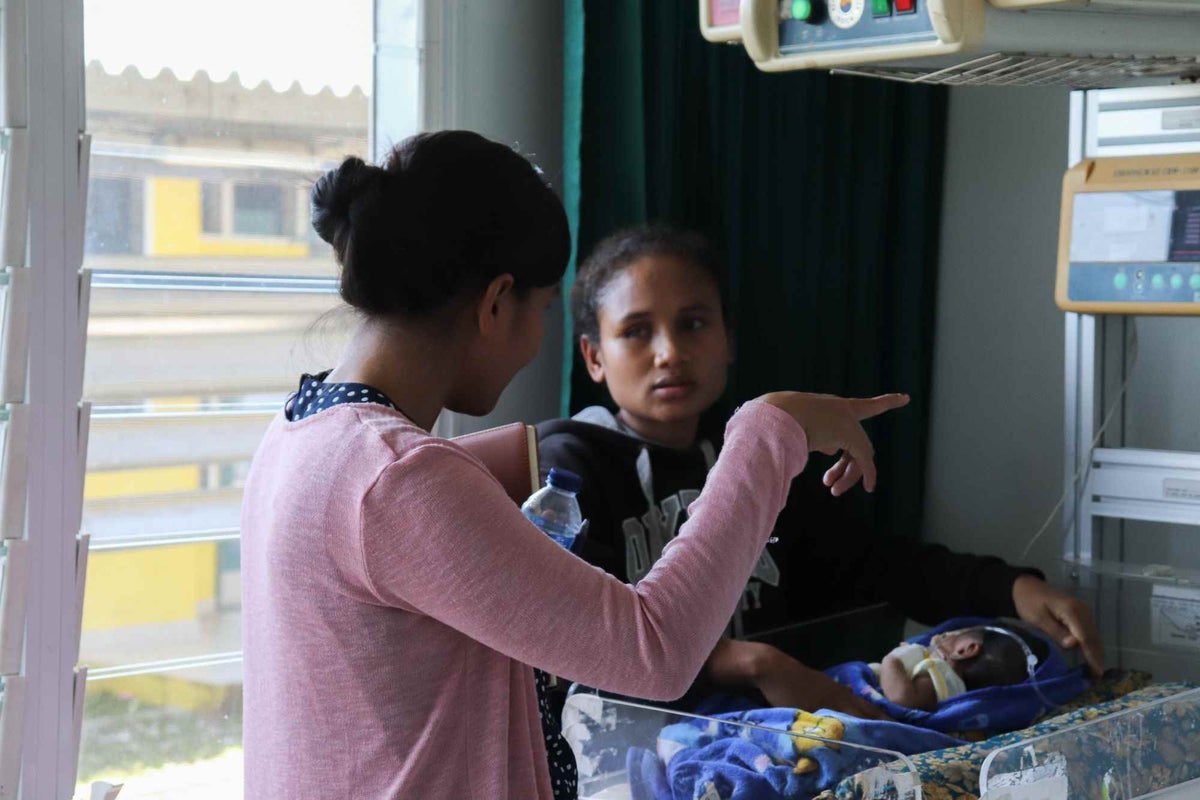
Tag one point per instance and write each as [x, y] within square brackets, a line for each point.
[395, 600]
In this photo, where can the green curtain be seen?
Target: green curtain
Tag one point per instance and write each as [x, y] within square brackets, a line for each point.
[823, 192]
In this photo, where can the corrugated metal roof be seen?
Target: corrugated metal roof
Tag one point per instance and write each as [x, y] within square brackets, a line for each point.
[312, 44]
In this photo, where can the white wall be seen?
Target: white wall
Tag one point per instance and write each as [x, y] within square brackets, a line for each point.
[495, 68]
[997, 422]
[509, 87]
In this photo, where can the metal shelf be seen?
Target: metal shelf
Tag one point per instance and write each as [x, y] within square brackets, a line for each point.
[1149, 485]
[1163, 574]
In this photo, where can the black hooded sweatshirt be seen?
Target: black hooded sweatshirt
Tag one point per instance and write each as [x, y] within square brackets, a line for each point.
[635, 496]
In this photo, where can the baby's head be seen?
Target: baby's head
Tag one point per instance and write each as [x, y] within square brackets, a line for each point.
[987, 655]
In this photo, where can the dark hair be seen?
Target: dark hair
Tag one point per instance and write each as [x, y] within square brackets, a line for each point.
[1001, 660]
[444, 216]
[617, 251]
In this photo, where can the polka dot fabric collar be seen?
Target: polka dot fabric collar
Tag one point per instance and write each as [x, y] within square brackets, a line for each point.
[315, 396]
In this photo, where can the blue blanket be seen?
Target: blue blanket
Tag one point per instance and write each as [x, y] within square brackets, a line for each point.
[994, 709]
[716, 760]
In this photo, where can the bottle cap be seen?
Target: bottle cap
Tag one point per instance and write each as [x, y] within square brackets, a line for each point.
[565, 479]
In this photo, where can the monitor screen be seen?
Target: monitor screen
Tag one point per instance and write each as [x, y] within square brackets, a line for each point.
[1145, 227]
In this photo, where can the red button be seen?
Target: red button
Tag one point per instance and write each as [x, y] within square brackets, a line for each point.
[906, 6]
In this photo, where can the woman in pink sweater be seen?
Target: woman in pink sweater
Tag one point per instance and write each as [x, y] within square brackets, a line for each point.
[396, 601]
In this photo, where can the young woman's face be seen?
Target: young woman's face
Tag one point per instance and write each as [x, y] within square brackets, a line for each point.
[664, 350]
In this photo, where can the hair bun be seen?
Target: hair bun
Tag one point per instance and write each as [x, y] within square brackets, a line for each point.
[445, 214]
[335, 192]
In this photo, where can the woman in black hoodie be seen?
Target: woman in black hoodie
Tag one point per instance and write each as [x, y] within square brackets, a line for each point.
[652, 327]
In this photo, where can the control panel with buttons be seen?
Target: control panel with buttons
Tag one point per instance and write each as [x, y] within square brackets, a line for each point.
[1130, 236]
[1135, 283]
[807, 25]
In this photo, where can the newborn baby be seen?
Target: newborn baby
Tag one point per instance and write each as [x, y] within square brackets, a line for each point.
[955, 662]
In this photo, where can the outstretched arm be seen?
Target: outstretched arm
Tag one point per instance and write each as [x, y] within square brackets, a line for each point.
[782, 680]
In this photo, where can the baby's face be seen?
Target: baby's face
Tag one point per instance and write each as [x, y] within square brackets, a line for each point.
[955, 646]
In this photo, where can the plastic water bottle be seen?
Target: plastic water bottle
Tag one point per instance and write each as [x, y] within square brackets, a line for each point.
[554, 509]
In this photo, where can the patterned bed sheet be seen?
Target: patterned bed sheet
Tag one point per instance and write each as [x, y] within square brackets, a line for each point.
[953, 773]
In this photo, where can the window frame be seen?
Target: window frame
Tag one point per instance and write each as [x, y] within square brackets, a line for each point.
[135, 212]
[279, 193]
[59, 156]
[57, 199]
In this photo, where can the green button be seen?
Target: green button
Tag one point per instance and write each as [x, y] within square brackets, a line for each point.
[1121, 281]
[1196, 281]
[881, 8]
[1176, 281]
[801, 9]
[1158, 281]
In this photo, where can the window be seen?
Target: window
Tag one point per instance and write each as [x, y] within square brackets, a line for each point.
[194, 334]
[211, 202]
[258, 210]
[114, 216]
[208, 300]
